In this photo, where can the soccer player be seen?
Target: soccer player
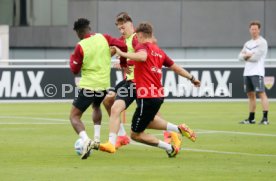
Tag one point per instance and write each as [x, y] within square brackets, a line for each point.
[149, 59]
[92, 57]
[253, 53]
[126, 28]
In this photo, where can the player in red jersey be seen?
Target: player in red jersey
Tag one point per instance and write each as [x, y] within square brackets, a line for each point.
[124, 93]
[149, 59]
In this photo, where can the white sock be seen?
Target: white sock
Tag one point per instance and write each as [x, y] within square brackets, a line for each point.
[172, 127]
[112, 138]
[122, 131]
[97, 132]
[164, 145]
[83, 135]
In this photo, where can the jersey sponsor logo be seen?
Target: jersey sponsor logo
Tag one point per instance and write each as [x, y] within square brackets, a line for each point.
[155, 54]
[21, 84]
[269, 82]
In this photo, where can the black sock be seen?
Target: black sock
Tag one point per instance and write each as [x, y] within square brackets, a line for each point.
[265, 114]
[251, 116]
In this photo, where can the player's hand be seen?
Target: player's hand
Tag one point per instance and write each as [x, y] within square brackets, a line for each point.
[118, 51]
[196, 83]
[247, 56]
[127, 70]
[112, 51]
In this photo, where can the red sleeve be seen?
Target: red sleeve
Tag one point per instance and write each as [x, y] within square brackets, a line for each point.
[76, 59]
[140, 47]
[134, 41]
[120, 44]
[168, 62]
[122, 38]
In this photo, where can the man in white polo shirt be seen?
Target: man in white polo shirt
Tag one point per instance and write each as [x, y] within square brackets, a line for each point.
[253, 53]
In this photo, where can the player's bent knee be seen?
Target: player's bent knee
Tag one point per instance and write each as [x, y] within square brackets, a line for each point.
[117, 108]
[75, 114]
[74, 118]
[251, 95]
[135, 136]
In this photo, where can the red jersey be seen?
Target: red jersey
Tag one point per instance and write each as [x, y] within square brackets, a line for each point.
[77, 57]
[148, 74]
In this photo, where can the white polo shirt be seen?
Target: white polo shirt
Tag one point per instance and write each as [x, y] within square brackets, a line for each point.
[254, 65]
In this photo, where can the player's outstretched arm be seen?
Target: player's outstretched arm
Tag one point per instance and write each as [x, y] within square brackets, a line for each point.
[184, 73]
[137, 56]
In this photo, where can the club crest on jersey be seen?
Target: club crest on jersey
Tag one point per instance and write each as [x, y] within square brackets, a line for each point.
[153, 53]
[269, 82]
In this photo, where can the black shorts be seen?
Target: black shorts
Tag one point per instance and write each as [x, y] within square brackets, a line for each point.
[86, 98]
[253, 83]
[120, 84]
[127, 92]
[145, 112]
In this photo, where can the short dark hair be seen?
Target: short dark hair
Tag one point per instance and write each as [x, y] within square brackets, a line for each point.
[123, 17]
[145, 28]
[256, 22]
[81, 24]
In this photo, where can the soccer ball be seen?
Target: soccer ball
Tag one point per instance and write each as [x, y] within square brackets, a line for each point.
[78, 146]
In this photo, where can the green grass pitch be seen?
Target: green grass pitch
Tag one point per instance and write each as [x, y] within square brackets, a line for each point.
[36, 143]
